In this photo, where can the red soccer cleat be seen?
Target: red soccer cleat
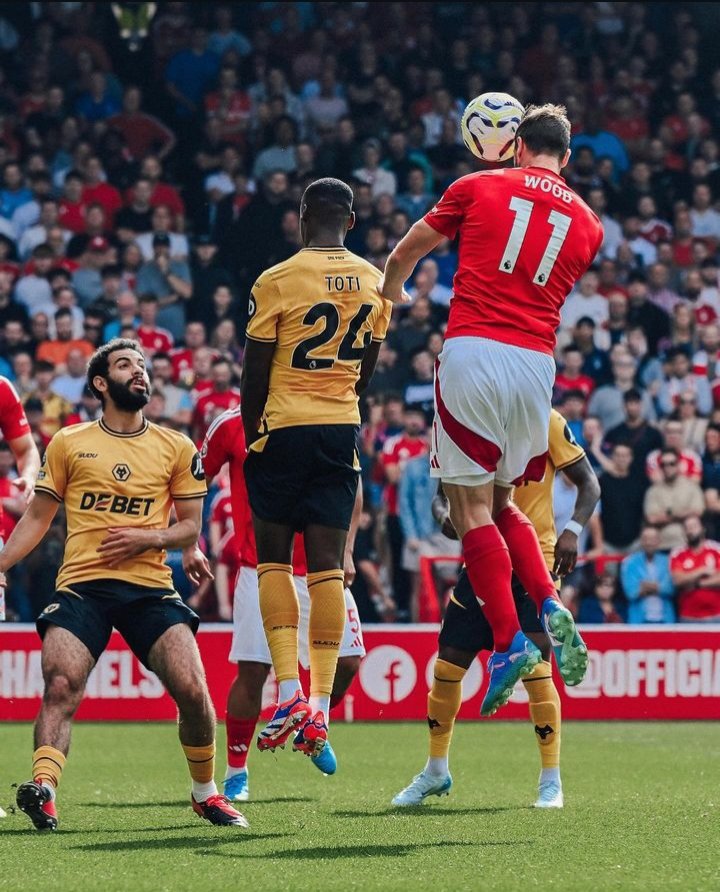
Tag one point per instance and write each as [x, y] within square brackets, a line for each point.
[218, 810]
[312, 737]
[37, 800]
[284, 721]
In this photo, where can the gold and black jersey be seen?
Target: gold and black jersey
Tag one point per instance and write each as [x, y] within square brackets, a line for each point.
[105, 480]
[535, 500]
[322, 309]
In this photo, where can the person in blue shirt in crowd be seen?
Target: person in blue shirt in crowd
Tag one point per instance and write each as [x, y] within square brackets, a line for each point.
[646, 581]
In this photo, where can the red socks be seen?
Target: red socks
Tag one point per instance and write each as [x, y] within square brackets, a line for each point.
[527, 558]
[239, 737]
[488, 565]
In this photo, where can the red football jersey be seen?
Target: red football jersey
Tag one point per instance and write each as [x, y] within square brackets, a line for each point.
[698, 603]
[225, 442]
[398, 451]
[525, 239]
[210, 405]
[13, 424]
[154, 340]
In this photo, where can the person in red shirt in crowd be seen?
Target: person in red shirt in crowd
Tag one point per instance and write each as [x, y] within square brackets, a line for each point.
[225, 443]
[230, 105]
[396, 452]
[162, 193]
[152, 338]
[525, 240]
[571, 376]
[182, 357]
[71, 214]
[98, 191]
[695, 572]
[222, 396]
[690, 463]
[143, 133]
[202, 382]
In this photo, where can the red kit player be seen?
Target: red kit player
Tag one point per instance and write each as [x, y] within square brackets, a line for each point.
[525, 239]
[225, 442]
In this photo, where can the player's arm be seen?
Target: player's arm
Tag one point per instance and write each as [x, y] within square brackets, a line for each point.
[122, 543]
[255, 385]
[29, 531]
[367, 367]
[441, 512]
[416, 243]
[27, 459]
[348, 562]
[582, 476]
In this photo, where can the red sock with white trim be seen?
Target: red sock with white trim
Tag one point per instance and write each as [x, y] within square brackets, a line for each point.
[528, 561]
[240, 733]
[488, 565]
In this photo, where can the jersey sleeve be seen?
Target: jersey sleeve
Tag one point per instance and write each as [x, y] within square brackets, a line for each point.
[215, 452]
[448, 213]
[188, 479]
[52, 476]
[264, 310]
[563, 447]
[382, 322]
[13, 422]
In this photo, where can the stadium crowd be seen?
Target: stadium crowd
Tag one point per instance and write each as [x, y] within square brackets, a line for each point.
[152, 158]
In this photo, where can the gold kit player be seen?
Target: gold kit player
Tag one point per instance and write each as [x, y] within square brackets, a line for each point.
[466, 631]
[316, 324]
[118, 479]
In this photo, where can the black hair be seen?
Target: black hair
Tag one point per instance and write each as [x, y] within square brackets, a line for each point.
[545, 129]
[99, 364]
[327, 200]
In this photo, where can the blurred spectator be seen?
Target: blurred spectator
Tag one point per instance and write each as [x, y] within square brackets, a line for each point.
[669, 501]
[585, 302]
[603, 605]
[56, 350]
[425, 284]
[646, 581]
[622, 496]
[596, 363]
[682, 381]
[189, 74]
[420, 388]
[169, 280]
[178, 402]
[645, 314]
[71, 384]
[607, 402]
[571, 377]
[53, 409]
[221, 397]
[695, 568]
[635, 431]
[381, 181]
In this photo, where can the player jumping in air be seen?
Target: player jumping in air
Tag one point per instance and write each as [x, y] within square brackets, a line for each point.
[465, 630]
[525, 239]
[117, 478]
[316, 324]
[225, 442]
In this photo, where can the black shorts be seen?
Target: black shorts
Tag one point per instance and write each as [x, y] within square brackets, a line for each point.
[465, 627]
[90, 610]
[305, 475]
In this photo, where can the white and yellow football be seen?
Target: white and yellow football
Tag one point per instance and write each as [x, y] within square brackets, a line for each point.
[488, 125]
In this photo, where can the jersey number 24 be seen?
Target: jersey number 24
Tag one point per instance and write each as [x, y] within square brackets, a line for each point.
[302, 357]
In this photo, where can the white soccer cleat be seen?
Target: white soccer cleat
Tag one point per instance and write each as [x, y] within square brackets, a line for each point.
[550, 795]
[422, 786]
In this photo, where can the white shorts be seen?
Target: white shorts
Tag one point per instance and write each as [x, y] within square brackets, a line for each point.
[492, 412]
[249, 643]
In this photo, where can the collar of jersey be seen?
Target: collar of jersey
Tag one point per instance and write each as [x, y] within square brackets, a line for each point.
[326, 248]
[109, 430]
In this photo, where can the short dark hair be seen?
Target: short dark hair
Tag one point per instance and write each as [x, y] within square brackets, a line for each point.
[99, 364]
[545, 129]
[148, 297]
[42, 365]
[632, 395]
[327, 198]
[62, 313]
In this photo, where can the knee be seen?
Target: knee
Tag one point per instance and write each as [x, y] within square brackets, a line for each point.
[347, 669]
[193, 699]
[61, 689]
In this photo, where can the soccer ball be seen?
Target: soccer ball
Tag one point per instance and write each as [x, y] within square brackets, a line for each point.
[488, 125]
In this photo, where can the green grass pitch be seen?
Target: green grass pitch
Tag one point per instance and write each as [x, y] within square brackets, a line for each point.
[642, 812]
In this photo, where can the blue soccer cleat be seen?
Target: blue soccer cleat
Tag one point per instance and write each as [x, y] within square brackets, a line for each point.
[236, 787]
[325, 760]
[571, 653]
[312, 740]
[422, 786]
[506, 669]
[284, 721]
[550, 794]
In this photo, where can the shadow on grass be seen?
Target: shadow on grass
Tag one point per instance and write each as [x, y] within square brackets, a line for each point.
[334, 853]
[174, 803]
[90, 831]
[429, 811]
[229, 835]
[267, 800]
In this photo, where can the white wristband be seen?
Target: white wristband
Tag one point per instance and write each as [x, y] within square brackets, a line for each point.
[573, 526]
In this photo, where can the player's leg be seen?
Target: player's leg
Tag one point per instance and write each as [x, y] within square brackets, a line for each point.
[325, 548]
[281, 616]
[545, 716]
[66, 664]
[175, 659]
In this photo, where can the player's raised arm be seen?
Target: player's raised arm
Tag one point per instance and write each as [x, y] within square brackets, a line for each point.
[27, 459]
[30, 529]
[416, 243]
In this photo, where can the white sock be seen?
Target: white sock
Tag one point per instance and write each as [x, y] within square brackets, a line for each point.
[287, 688]
[438, 766]
[231, 772]
[201, 792]
[549, 775]
[321, 704]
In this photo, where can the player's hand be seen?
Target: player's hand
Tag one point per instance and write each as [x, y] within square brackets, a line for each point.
[397, 297]
[565, 553]
[123, 543]
[413, 544]
[196, 566]
[26, 487]
[348, 569]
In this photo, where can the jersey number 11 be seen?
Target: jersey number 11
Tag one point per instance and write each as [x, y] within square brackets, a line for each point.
[560, 224]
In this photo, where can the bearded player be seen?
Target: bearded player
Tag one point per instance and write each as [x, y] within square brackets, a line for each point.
[117, 478]
[225, 442]
[525, 239]
[465, 631]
